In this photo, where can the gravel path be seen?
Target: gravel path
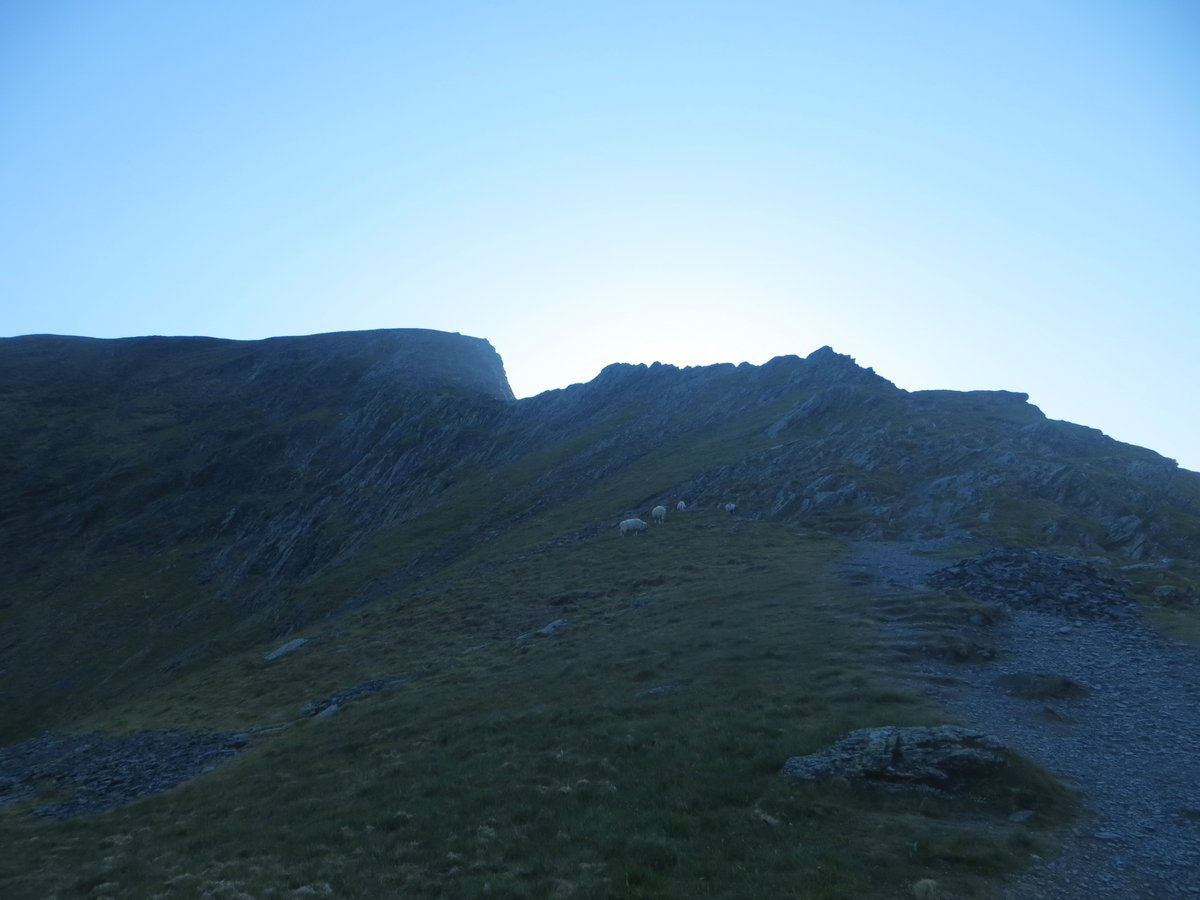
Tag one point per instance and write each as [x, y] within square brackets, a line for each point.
[1131, 745]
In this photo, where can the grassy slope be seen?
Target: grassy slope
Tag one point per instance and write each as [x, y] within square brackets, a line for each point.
[510, 767]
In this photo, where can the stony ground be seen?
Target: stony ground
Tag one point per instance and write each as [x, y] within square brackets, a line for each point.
[1130, 743]
[68, 775]
[79, 774]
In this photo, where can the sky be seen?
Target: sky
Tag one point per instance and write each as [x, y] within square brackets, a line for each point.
[979, 195]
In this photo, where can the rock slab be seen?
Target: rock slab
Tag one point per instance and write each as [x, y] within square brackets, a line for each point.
[945, 758]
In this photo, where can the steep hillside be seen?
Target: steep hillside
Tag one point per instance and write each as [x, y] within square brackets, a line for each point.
[436, 567]
[160, 492]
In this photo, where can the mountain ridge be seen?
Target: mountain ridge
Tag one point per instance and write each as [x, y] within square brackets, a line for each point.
[321, 562]
[245, 478]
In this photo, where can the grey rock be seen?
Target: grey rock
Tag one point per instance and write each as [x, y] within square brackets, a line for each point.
[944, 757]
[283, 649]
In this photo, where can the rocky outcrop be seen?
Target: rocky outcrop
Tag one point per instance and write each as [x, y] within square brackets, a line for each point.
[945, 758]
[867, 459]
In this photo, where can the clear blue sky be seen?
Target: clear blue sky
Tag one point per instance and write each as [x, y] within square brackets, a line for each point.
[962, 195]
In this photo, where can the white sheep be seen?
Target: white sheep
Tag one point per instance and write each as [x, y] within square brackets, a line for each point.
[681, 506]
[634, 525]
[659, 514]
[730, 507]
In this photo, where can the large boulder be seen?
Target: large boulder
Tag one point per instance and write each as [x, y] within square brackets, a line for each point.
[945, 758]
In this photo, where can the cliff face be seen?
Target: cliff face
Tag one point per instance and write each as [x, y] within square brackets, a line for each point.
[169, 498]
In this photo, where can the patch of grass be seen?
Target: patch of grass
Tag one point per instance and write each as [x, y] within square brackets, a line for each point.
[1169, 594]
[1179, 624]
[1022, 521]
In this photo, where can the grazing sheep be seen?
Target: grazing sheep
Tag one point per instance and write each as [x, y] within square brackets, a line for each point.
[634, 525]
[681, 506]
[729, 507]
[659, 514]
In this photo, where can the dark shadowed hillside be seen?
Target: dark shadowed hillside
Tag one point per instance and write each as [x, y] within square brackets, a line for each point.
[177, 487]
[174, 509]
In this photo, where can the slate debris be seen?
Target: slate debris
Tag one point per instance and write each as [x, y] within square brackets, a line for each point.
[89, 773]
[1039, 580]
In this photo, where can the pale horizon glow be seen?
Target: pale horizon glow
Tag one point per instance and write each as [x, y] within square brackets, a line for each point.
[960, 196]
